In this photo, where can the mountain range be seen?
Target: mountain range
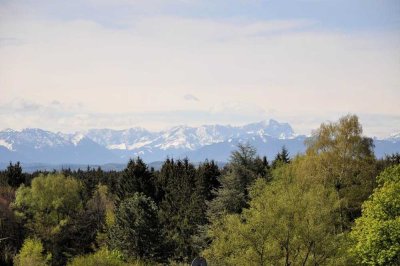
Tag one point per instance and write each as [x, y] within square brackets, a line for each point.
[105, 146]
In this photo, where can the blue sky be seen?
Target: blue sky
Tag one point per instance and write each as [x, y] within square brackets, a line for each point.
[73, 65]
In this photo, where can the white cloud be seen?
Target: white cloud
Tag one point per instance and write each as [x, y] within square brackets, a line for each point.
[146, 66]
[190, 97]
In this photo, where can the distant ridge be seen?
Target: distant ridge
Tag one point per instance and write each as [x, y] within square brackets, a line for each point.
[108, 146]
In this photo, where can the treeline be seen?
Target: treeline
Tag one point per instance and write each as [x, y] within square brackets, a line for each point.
[334, 205]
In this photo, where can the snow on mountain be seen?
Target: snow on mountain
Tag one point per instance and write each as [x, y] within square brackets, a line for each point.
[270, 128]
[77, 138]
[190, 138]
[32, 137]
[4, 143]
[395, 137]
[121, 146]
[37, 145]
[117, 146]
[127, 139]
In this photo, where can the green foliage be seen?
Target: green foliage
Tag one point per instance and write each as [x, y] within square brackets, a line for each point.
[14, 175]
[281, 158]
[388, 160]
[230, 198]
[50, 209]
[105, 257]
[31, 254]
[288, 222]
[102, 257]
[86, 229]
[340, 157]
[136, 178]
[137, 232]
[180, 209]
[207, 175]
[295, 212]
[101, 206]
[243, 169]
[376, 233]
[48, 203]
[262, 168]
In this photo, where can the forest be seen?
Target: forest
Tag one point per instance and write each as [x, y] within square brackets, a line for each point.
[336, 204]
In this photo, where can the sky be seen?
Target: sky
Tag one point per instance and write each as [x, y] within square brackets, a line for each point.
[74, 65]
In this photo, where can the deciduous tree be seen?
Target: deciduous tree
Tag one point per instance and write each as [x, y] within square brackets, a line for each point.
[342, 158]
[376, 233]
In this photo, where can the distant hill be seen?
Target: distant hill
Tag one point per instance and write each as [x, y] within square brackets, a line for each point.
[114, 147]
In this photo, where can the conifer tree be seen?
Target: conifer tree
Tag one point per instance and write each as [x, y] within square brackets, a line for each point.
[241, 172]
[137, 232]
[207, 175]
[180, 210]
[14, 174]
[136, 178]
[281, 158]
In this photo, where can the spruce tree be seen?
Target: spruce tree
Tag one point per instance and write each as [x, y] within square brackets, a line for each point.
[241, 172]
[281, 158]
[137, 231]
[136, 177]
[180, 210]
[207, 179]
[14, 174]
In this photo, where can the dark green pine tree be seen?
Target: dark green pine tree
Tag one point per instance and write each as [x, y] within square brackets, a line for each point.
[207, 175]
[89, 178]
[137, 231]
[207, 183]
[281, 158]
[241, 172]
[262, 168]
[180, 211]
[136, 178]
[388, 160]
[14, 175]
[79, 236]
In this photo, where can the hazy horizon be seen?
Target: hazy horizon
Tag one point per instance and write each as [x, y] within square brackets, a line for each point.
[167, 128]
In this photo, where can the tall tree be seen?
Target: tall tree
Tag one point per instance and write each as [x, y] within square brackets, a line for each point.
[136, 177]
[87, 228]
[241, 172]
[207, 175]
[47, 207]
[376, 234]
[290, 221]
[14, 174]
[281, 158]
[137, 232]
[180, 210]
[341, 157]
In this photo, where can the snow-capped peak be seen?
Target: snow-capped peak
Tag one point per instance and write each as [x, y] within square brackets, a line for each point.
[77, 138]
[395, 135]
[6, 144]
[179, 137]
